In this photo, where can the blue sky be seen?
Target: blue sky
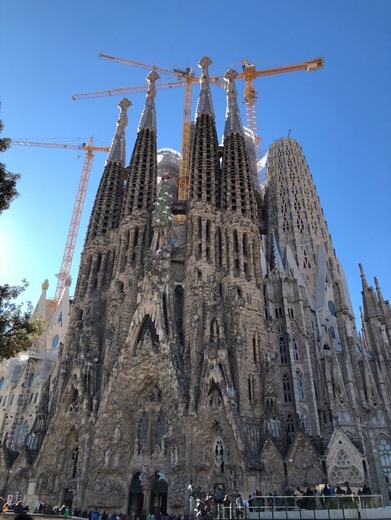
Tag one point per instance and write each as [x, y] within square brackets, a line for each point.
[340, 115]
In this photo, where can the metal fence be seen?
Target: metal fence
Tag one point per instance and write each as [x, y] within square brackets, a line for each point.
[300, 507]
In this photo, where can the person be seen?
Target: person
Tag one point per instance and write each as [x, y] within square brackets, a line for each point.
[95, 514]
[23, 516]
[18, 507]
[67, 512]
[226, 506]
[239, 506]
[298, 495]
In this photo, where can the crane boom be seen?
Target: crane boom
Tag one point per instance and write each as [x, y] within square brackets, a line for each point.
[139, 64]
[67, 258]
[249, 74]
[126, 90]
[84, 147]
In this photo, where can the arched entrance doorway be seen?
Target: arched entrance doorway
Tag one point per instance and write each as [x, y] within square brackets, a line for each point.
[136, 496]
[68, 498]
[159, 494]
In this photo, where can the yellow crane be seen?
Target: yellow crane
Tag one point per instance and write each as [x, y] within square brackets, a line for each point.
[249, 74]
[186, 78]
[64, 274]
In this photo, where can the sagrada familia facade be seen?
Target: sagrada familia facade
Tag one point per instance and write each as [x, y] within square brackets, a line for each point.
[211, 341]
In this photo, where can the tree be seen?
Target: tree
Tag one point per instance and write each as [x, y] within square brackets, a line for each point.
[17, 329]
[8, 180]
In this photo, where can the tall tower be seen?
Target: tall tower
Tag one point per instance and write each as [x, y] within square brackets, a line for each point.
[308, 306]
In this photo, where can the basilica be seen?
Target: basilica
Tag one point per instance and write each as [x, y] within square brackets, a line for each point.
[211, 340]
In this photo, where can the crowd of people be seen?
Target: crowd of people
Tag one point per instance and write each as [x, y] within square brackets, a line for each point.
[233, 507]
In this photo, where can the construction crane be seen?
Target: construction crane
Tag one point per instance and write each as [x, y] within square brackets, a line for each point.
[249, 74]
[64, 274]
[185, 78]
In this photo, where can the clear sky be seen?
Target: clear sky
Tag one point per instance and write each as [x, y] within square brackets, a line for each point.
[341, 115]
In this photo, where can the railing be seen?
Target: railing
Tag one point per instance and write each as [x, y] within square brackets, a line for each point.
[301, 507]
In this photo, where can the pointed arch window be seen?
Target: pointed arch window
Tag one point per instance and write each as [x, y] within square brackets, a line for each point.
[286, 388]
[283, 352]
[306, 260]
[207, 236]
[290, 428]
[299, 384]
[219, 248]
[304, 419]
[384, 448]
[295, 349]
[255, 356]
[251, 388]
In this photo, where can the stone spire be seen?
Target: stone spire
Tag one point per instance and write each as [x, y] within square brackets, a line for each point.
[378, 290]
[363, 277]
[148, 117]
[232, 121]
[205, 104]
[106, 210]
[237, 193]
[294, 212]
[117, 149]
[204, 157]
[370, 303]
[140, 191]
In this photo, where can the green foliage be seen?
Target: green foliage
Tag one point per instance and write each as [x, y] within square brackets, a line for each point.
[162, 214]
[17, 330]
[8, 180]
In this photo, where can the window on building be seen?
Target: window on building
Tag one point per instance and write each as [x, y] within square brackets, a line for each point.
[2, 382]
[384, 447]
[286, 388]
[290, 428]
[306, 260]
[299, 384]
[283, 352]
[331, 308]
[295, 349]
[251, 388]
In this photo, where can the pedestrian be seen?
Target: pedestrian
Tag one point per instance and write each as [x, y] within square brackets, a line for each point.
[23, 516]
[18, 507]
[239, 506]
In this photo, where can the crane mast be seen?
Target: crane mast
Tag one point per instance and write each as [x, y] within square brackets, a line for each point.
[66, 264]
